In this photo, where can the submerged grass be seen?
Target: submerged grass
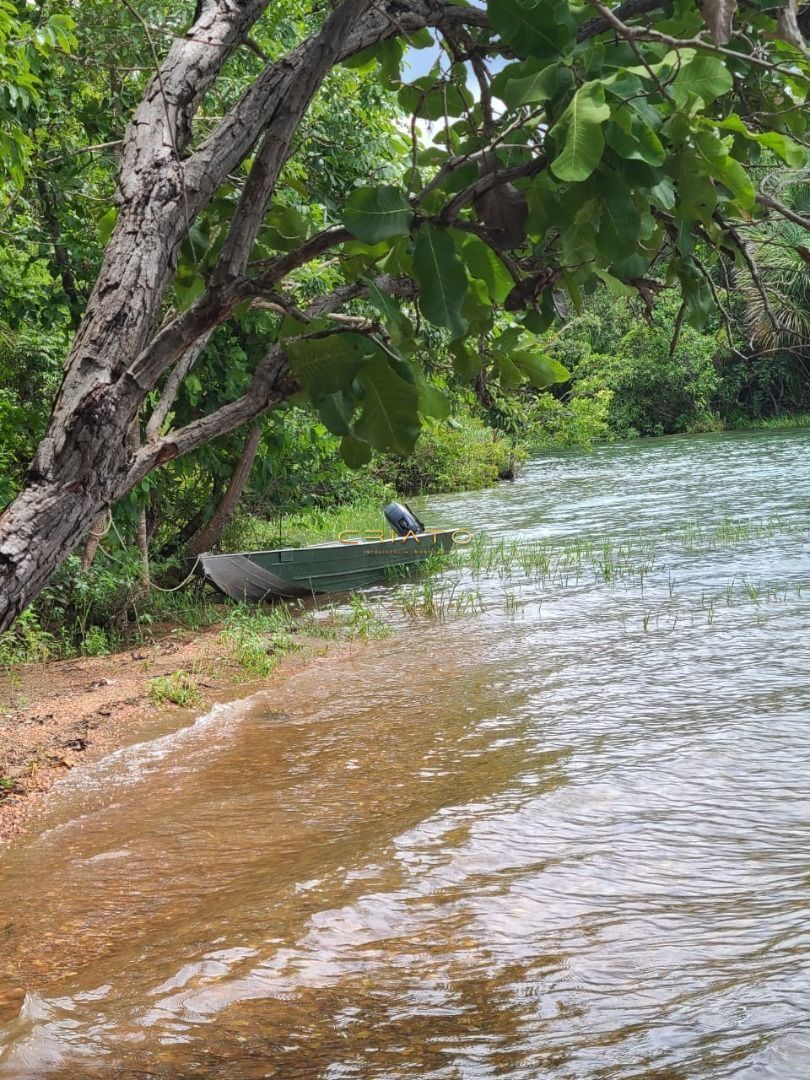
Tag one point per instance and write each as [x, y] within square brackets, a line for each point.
[443, 587]
[637, 564]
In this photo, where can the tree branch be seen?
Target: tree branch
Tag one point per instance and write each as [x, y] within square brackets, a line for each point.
[773, 204]
[168, 394]
[269, 385]
[644, 33]
[487, 183]
[318, 57]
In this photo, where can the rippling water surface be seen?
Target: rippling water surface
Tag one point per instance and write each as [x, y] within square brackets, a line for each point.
[565, 836]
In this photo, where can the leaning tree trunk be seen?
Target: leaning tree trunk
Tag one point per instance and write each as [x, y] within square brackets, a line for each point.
[208, 536]
[165, 180]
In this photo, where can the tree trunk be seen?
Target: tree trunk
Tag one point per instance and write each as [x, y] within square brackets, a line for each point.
[97, 530]
[207, 537]
[142, 539]
[166, 178]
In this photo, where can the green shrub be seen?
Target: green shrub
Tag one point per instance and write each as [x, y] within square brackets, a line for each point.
[653, 392]
[96, 642]
[579, 419]
[27, 641]
[462, 455]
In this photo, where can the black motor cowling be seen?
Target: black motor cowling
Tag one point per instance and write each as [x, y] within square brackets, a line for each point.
[402, 519]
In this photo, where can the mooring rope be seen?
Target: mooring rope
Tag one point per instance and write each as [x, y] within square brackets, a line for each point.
[152, 585]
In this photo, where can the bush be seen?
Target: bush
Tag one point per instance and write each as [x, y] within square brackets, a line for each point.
[578, 419]
[462, 455]
[654, 393]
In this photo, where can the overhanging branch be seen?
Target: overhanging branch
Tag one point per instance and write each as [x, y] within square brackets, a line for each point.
[270, 385]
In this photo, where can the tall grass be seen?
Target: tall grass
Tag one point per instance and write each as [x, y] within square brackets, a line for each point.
[312, 526]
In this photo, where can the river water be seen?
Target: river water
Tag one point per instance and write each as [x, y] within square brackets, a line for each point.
[560, 830]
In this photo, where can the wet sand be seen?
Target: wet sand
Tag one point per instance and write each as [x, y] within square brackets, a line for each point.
[59, 715]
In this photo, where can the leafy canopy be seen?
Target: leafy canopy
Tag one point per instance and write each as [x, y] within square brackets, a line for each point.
[546, 150]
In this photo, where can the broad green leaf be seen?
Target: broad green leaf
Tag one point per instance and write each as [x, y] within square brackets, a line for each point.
[287, 227]
[432, 100]
[354, 452]
[696, 294]
[509, 374]
[631, 138]
[663, 69]
[792, 153]
[620, 218]
[538, 320]
[714, 153]
[374, 214]
[432, 402]
[631, 266]
[466, 362]
[484, 264]
[662, 194]
[188, 287]
[697, 198]
[389, 419]
[577, 226]
[399, 325]
[618, 288]
[328, 365]
[629, 90]
[706, 76]
[541, 370]
[542, 195]
[477, 308]
[539, 83]
[534, 27]
[336, 411]
[442, 279]
[578, 134]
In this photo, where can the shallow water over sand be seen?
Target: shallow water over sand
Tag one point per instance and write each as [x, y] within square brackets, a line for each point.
[565, 836]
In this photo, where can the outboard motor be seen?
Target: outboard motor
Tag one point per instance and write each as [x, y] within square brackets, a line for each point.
[402, 519]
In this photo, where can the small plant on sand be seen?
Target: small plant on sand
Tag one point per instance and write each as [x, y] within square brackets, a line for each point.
[180, 688]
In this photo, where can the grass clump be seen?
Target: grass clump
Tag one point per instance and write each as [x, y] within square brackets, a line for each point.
[259, 637]
[179, 688]
[365, 620]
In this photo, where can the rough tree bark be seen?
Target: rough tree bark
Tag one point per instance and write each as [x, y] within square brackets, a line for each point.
[209, 535]
[94, 537]
[83, 463]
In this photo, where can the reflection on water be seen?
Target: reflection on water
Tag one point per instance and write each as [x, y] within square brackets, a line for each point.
[562, 839]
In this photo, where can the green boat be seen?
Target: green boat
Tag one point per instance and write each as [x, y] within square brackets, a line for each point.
[333, 567]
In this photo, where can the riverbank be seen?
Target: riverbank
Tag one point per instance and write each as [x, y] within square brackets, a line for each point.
[59, 715]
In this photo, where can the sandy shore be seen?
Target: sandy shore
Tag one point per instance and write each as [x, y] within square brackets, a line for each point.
[58, 715]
